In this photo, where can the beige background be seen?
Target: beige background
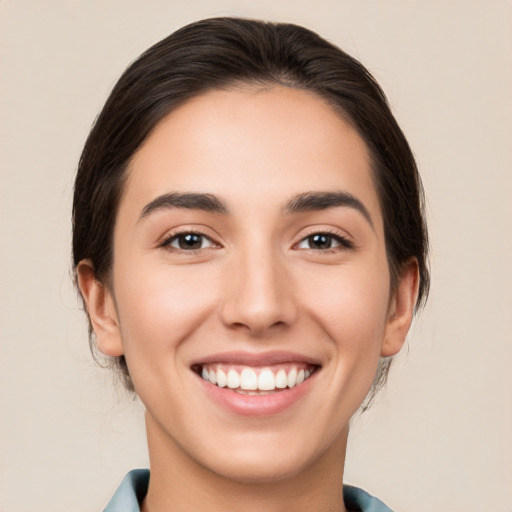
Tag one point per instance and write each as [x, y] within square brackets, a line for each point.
[439, 437]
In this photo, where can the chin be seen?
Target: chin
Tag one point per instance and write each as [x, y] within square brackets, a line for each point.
[268, 456]
[261, 466]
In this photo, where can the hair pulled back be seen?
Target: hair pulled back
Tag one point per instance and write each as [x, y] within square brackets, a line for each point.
[222, 53]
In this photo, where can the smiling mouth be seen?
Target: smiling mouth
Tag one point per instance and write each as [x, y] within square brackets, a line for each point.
[249, 380]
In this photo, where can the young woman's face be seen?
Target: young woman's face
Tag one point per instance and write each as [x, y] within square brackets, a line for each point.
[249, 253]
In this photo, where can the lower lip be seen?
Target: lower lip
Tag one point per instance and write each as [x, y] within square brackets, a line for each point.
[256, 405]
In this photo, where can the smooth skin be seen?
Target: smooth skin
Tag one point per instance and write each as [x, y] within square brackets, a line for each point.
[254, 280]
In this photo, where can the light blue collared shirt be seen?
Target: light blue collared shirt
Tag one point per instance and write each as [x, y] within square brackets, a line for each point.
[134, 487]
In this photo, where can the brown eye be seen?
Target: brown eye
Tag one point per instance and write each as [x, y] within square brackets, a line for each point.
[189, 242]
[323, 241]
[320, 241]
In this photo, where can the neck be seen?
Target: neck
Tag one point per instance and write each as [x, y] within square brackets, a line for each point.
[181, 484]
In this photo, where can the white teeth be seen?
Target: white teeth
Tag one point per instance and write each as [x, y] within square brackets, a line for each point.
[266, 380]
[251, 383]
[233, 381]
[222, 380]
[281, 379]
[292, 378]
[248, 379]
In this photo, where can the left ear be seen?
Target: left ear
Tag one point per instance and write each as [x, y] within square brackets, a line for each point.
[401, 309]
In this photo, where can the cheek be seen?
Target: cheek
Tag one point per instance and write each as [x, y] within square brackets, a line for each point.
[351, 304]
[160, 305]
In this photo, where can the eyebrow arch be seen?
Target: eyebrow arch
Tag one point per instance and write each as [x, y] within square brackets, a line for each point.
[309, 201]
[189, 200]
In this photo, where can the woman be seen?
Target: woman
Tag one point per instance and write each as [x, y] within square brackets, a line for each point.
[250, 245]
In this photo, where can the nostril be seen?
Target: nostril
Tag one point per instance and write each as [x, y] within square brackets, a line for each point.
[258, 328]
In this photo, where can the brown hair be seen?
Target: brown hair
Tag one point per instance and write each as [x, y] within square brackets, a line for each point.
[220, 53]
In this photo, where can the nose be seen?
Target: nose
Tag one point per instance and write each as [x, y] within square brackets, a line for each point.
[258, 296]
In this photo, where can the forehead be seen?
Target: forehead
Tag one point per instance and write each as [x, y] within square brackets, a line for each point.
[247, 144]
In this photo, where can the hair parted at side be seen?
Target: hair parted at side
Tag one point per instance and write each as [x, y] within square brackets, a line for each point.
[222, 53]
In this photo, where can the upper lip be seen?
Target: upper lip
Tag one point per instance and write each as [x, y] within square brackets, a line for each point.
[256, 359]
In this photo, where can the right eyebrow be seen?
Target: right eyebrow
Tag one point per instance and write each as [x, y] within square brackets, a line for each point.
[190, 200]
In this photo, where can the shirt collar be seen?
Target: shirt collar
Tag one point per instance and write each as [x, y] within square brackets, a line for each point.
[134, 487]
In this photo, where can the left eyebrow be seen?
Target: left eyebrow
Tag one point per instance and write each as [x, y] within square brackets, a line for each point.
[310, 201]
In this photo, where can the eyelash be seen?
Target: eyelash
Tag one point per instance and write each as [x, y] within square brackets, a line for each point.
[343, 241]
[166, 244]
